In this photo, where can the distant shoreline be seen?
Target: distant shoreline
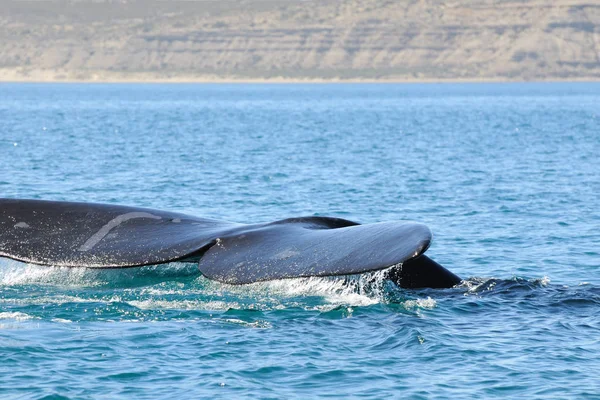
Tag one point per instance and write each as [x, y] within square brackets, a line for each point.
[283, 80]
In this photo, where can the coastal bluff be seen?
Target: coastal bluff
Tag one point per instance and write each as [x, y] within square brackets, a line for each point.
[312, 40]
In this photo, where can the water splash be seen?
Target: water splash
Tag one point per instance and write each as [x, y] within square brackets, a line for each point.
[17, 273]
[179, 286]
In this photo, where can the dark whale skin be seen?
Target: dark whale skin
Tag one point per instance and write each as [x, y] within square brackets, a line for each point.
[94, 235]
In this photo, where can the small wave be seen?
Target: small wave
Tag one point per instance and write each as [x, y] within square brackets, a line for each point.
[537, 292]
[478, 285]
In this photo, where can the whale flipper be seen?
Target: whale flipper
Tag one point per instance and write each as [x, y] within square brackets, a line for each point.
[111, 236]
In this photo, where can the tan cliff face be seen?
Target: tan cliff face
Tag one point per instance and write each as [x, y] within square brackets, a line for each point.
[299, 39]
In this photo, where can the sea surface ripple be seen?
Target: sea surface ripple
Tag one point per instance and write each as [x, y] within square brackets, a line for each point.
[507, 177]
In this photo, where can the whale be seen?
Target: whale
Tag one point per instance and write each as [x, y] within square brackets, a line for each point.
[93, 235]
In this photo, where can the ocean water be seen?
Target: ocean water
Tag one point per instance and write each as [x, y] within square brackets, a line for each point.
[507, 176]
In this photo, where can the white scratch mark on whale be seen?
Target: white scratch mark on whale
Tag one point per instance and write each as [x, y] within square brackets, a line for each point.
[113, 223]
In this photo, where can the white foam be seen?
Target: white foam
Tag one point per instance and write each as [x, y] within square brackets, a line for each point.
[16, 273]
[427, 303]
[255, 324]
[62, 320]
[278, 294]
[15, 316]
[544, 281]
[360, 290]
[43, 300]
[151, 304]
[474, 285]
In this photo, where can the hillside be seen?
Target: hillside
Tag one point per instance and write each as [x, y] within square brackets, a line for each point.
[299, 39]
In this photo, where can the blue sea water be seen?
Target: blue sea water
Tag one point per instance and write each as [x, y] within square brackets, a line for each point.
[507, 176]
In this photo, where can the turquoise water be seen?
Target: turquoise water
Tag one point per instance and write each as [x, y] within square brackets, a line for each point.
[507, 176]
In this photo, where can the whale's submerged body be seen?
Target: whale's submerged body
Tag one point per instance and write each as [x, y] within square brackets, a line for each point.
[112, 236]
